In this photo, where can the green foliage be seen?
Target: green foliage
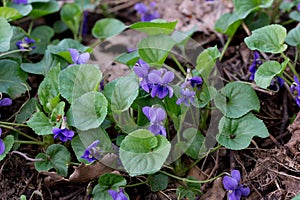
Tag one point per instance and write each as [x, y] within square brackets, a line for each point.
[42, 35]
[293, 36]
[154, 27]
[12, 78]
[8, 142]
[266, 72]
[106, 28]
[71, 16]
[6, 34]
[268, 39]
[40, 124]
[158, 182]
[236, 99]
[143, 153]
[56, 156]
[237, 133]
[43, 8]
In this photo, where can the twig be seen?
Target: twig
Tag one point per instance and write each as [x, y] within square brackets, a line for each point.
[28, 158]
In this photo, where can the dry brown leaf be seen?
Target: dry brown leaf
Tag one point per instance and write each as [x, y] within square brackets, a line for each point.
[86, 173]
[52, 178]
[216, 192]
[293, 143]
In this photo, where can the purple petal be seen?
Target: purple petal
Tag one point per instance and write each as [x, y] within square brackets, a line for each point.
[74, 54]
[0, 132]
[155, 128]
[113, 194]
[154, 91]
[236, 175]
[168, 77]
[68, 133]
[145, 85]
[245, 191]
[229, 183]
[56, 131]
[146, 111]
[162, 92]
[170, 91]
[5, 102]
[234, 195]
[155, 78]
[298, 6]
[141, 8]
[2, 147]
[83, 58]
[160, 114]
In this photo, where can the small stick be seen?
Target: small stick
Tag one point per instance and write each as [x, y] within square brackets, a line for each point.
[28, 158]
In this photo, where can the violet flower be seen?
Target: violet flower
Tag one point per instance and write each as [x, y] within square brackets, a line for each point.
[235, 190]
[2, 145]
[20, 1]
[187, 96]
[298, 7]
[295, 89]
[63, 133]
[142, 70]
[254, 65]
[156, 117]
[118, 195]
[196, 81]
[5, 102]
[25, 44]
[92, 152]
[147, 13]
[160, 80]
[79, 58]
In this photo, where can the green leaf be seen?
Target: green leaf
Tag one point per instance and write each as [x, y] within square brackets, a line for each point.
[71, 16]
[155, 48]
[89, 110]
[227, 24]
[158, 182]
[182, 37]
[9, 13]
[128, 59]
[195, 142]
[206, 61]
[23, 10]
[57, 156]
[48, 89]
[206, 95]
[244, 8]
[40, 124]
[77, 80]
[58, 111]
[6, 34]
[268, 39]
[111, 181]
[295, 15]
[85, 138]
[286, 6]
[8, 142]
[100, 194]
[26, 111]
[237, 134]
[153, 28]
[185, 193]
[143, 153]
[42, 35]
[293, 36]
[124, 93]
[266, 72]
[257, 20]
[12, 79]
[49, 60]
[108, 27]
[44, 8]
[237, 99]
[62, 48]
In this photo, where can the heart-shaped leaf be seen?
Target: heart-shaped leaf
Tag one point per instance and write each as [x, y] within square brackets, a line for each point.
[266, 72]
[6, 34]
[236, 99]
[293, 36]
[237, 134]
[106, 28]
[57, 156]
[89, 110]
[153, 27]
[143, 153]
[268, 39]
[77, 80]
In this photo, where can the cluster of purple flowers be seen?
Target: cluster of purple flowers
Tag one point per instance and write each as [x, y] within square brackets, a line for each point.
[295, 89]
[234, 190]
[156, 116]
[187, 90]
[25, 44]
[147, 13]
[154, 81]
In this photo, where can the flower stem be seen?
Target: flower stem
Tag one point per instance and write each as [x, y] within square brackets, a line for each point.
[29, 142]
[136, 184]
[20, 132]
[14, 51]
[225, 48]
[178, 64]
[192, 181]
[290, 65]
[13, 124]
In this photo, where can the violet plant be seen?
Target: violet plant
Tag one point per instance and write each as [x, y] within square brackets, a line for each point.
[152, 107]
